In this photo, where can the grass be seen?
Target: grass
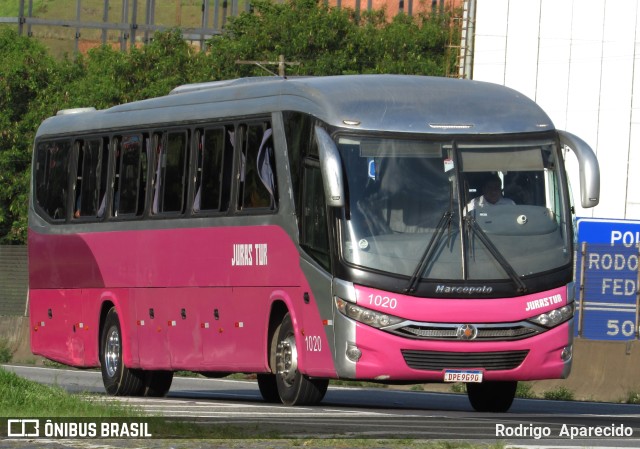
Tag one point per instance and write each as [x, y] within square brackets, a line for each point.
[523, 391]
[559, 394]
[5, 352]
[22, 398]
[356, 384]
[9, 9]
[633, 397]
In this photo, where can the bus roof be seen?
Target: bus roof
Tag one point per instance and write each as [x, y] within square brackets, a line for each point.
[397, 103]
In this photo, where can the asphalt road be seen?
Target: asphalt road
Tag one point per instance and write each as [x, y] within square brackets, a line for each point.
[371, 413]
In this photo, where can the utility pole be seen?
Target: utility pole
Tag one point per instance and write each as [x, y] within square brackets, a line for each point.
[280, 62]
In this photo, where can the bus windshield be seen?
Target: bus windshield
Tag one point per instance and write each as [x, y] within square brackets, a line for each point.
[419, 208]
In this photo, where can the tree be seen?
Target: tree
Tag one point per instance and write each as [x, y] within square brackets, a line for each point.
[302, 30]
[330, 41]
[323, 40]
[25, 70]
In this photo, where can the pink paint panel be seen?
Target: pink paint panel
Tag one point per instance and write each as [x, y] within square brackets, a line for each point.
[198, 257]
[188, 298]
[382, 356]
[382, 351]
[314, 341]
[445, 310]
[57, 326]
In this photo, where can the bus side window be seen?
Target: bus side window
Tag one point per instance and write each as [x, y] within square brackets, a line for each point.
[128, 176]
[52, 182]
[171, 164]
[314, 236]
[103, 177]
[257, 168]
[88, 178]
[209, 169]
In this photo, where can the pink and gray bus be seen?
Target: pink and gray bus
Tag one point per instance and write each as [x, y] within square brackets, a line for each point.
[308, 229]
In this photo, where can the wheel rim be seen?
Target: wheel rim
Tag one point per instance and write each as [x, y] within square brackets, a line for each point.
[112, 351]
[287, 359]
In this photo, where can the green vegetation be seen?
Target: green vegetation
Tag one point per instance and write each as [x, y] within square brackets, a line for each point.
[322, 40]
[633, 397]
[559, 394]
[23, 398]
[523, 391]
[5, 352]
[356, 384]
[9, 9]
[20, 397]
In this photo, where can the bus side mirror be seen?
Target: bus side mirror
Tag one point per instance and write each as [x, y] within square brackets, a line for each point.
[331, 168]
[589, 168]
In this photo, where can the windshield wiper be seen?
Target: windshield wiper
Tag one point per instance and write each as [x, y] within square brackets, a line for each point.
[444, 223]
[506, 266]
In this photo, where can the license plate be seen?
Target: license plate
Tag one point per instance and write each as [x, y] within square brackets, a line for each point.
[456, 375]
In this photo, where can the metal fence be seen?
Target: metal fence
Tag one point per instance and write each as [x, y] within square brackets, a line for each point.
[13, 280]
[128, 22]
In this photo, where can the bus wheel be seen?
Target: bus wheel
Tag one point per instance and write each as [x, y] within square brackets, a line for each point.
[118, 379]
[268, 387]
[157, 383]
[293, 387]
[491, 396]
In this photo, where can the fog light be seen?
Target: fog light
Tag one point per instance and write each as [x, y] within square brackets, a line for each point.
[353, 353]
[567, 353]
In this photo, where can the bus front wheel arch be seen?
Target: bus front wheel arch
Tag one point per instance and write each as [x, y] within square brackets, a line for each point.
[293, 387]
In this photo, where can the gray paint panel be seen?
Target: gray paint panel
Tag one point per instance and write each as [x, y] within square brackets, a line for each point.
[397, 103]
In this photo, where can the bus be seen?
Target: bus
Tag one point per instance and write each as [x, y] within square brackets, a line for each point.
[306, 229]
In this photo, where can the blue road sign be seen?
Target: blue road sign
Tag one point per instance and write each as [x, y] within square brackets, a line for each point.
[610, 278]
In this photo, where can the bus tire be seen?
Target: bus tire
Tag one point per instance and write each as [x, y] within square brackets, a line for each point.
[294, 388]
[268, 387]
[118, 380]
[494, 397]
[157, 383]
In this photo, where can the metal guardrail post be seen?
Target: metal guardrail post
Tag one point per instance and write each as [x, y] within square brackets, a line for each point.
[134, 24]
[21, 17]
[583, 252]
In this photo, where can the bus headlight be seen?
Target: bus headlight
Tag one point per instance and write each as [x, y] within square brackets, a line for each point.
[366, 316]
[554, 317]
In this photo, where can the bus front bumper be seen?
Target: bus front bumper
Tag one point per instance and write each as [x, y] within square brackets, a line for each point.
[367, 353]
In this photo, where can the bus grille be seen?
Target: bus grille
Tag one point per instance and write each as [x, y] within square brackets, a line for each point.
[437, 361]
[427, 331]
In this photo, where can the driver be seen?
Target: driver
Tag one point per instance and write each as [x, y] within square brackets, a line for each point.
[491, 195]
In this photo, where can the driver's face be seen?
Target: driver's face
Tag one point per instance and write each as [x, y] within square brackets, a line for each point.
[492, 192]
